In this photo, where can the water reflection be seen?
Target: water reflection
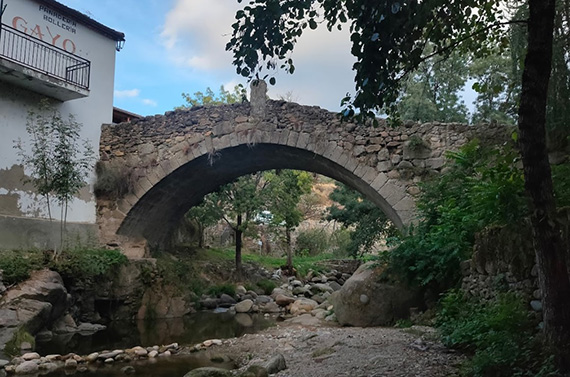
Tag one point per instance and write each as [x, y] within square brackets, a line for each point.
[190, 330]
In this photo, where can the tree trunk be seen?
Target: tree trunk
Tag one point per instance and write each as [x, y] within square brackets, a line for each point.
[289, 251]
[549, 246]
[238, 246]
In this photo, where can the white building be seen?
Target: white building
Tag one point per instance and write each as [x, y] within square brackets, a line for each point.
[49, 50]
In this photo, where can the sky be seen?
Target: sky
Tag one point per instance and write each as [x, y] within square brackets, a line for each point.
[176, 46]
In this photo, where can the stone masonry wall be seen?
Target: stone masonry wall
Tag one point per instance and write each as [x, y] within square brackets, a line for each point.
[390, 160]
[504, 260]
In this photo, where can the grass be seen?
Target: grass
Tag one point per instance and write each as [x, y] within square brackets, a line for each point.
[302, 263]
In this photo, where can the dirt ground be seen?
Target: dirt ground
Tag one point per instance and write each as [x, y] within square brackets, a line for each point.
[322, 350]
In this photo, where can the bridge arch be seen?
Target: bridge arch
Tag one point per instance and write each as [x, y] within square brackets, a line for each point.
[177, 158]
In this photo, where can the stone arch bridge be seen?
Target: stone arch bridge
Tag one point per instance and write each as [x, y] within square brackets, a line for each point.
[173, 160]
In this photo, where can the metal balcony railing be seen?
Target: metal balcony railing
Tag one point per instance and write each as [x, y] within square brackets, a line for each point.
[42, 57]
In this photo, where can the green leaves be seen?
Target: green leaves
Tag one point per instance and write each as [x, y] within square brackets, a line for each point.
[388, 38]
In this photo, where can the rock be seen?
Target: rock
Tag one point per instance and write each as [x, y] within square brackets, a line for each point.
[316, 288]
[25, 346]
[48, 367]
[366, 301]
[31, 356]
[128, 370]
[263, 299]
[209, 303]
[209, 372]
[283, 300]
[71, 363]
[88, 328]
[301, 291]
[280, 291]
[296, 283]
[335, 286]
[271, 307]
[240, 290]
[152, 354]
[226, 299]
[303, 305]
[255, 371]
[275, 364]
[27, 367]
[64, 325]
[3, 363]
[92, 357]
[536, 305]
[244, 306]
[304, 320]
[111, 355]
[35, 303]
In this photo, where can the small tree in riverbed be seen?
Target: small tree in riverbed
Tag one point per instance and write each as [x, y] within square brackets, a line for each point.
[59, 161]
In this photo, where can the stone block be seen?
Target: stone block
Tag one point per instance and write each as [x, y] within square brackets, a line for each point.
[379, 181]
[370, 175]
[351, 164]
[303, 140]
[384, 166]
[284, 137]
[405, 204]
[392, 193]
[293, 138]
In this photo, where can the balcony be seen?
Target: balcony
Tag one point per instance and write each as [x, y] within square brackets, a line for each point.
[31, 63]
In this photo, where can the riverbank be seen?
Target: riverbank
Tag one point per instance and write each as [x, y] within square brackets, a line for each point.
[316, 349]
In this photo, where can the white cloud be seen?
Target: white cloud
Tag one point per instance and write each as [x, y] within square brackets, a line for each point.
[129, 93]
[195, 33]
[149, 102]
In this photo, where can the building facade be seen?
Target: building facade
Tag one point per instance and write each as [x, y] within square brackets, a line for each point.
[48, 50]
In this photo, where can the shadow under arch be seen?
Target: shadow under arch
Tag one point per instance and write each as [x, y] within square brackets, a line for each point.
[157, 213]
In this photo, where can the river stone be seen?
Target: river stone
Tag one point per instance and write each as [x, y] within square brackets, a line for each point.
[152, 354]
[244, 306]
[275, 364]
[71, 363]
[335, 286]
[227, 299]
[31, 356]
[209, 372]
[303, 305]
[263, 299]
[316, 288]
[536, 305]
[209, 303]
[280, 292]
[384, 302]
[271, 307]
[255, 371]
[92, 357]
[27, 367]
[283, 300]
[3, 363]
[48, 367]
[240, 290]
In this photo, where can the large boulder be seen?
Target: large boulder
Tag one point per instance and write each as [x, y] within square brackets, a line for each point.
[365, 300]
[35, 303]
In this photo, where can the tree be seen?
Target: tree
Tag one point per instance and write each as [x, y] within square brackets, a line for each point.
[235, 203]
[432, 91]
[388, 41]
[59, 160]
[367, 222]
[285, 188]
[239, 94]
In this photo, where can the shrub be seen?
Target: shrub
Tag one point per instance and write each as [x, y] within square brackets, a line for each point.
[218, 290]
[16, 266]
[500, 335]
[87, 263]
[114, 180]
[482, 187]
[267, 285]
[312, 242]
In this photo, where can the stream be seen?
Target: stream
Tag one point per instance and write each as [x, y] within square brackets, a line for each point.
[189, 330]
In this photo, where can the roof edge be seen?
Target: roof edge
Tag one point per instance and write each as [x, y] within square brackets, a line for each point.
[86, 20]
